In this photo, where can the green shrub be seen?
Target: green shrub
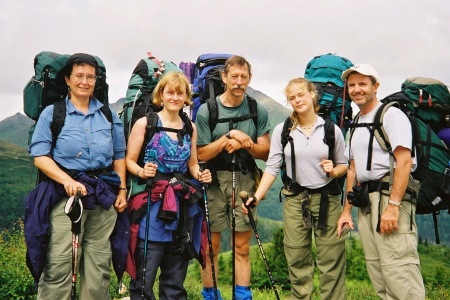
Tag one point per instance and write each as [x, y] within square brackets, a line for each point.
[16, 281]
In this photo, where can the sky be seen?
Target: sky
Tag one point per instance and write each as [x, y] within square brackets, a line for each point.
[399, 38]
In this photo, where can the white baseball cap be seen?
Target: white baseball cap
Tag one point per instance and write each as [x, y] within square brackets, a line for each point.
[364, 69]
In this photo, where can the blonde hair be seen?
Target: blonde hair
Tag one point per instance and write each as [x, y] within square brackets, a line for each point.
[177, 81]
[295, 118]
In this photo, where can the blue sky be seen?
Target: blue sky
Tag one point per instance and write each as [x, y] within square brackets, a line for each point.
[399, 38]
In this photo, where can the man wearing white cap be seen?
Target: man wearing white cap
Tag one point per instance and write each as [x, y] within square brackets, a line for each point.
[384, 197]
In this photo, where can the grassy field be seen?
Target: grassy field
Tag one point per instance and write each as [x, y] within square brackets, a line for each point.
[16, 281]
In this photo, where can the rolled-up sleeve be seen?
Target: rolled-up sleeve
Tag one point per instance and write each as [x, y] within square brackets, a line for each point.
[119, 144]
[41, 142]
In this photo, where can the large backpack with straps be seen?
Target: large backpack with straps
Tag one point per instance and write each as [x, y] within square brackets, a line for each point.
[139, 96]
[138, 104]
[207, 82]
[289, 184]
[325, 72]
[431, 153]
[429, 100]
[42, 90]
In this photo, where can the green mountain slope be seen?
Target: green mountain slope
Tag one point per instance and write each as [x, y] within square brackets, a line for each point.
[15, 129]
[15, 182]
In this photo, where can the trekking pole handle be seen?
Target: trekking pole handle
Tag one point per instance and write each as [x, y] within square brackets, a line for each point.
[151, 159]
[244, 196]
[202, 167]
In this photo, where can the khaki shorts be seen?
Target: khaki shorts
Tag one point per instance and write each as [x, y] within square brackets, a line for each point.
[219, 201]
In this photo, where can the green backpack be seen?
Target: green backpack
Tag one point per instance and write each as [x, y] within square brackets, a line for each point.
[325, 72]
[138, 100]
[429, 100]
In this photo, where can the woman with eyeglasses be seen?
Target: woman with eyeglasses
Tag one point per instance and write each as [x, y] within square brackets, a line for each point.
[87, 158]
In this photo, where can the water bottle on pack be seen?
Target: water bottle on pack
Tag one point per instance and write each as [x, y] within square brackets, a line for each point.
[446, 181]
[436, 201]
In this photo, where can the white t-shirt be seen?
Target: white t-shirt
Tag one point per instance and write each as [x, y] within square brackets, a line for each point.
[398, 129]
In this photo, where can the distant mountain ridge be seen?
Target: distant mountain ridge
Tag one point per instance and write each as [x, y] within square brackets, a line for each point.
[15, 129]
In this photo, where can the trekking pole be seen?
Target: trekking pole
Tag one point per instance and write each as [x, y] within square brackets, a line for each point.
[244, 196]
[152, 158]
[233, 222]
[341, 124]
[74, 210]
[202, 166]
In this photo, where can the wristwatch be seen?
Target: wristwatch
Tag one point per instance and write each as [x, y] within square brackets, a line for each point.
[228, 135]
[396, 203]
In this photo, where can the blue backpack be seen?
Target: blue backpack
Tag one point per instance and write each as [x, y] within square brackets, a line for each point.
[325, 72]
[207, 79]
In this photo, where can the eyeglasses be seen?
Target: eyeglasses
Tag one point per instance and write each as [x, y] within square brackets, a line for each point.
[79, 77]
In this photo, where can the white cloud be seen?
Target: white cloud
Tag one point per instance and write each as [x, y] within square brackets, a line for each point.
[399, 38]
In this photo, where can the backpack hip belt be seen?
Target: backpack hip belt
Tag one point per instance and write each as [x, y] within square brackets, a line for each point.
[90, 173]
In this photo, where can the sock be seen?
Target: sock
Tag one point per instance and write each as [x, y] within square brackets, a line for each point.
[208, 294]
[243, 293]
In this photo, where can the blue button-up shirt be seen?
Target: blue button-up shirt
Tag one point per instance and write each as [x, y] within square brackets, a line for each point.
[86, 142]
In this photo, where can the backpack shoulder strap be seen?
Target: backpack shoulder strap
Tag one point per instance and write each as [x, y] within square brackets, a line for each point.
[59, 117]
[379, 132]
[286, 138]
[107, 113]
[150, 129]
[329, 137]
[187, 129]
[352, 127]
[285, 132]
[213, 110]
[253, 107]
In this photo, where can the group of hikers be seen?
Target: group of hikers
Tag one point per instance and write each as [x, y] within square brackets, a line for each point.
[90, 157]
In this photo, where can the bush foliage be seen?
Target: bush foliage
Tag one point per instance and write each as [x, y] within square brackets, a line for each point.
[16, 281]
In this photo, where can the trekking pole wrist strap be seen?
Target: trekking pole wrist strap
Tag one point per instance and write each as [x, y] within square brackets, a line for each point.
[252, 204]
